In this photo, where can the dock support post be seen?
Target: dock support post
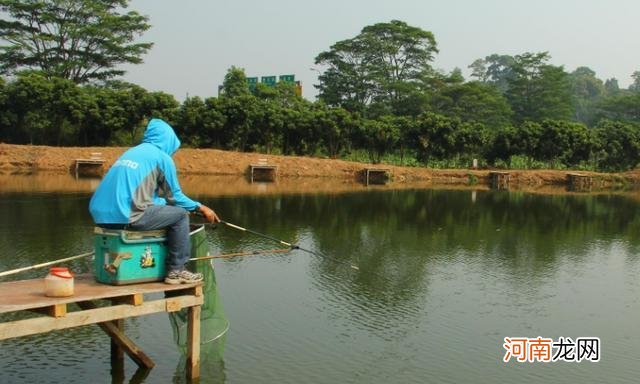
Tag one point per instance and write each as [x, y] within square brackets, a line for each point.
[117, 336]
[117, 353]
[193, 342]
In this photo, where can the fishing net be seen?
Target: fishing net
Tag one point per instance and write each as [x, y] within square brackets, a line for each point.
[213, 323]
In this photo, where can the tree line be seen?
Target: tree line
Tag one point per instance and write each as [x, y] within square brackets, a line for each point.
[379, 98]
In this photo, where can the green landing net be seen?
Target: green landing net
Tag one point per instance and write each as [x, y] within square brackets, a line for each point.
[213, 322]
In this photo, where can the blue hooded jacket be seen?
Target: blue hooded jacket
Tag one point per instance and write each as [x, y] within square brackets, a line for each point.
[138, 178]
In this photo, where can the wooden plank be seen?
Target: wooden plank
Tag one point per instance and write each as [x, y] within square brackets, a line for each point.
[135, 299]
[29, 294]
[193, 342]
[117, 335]
[34, 326]
[172, 305]
[90, 161]
[56, 310]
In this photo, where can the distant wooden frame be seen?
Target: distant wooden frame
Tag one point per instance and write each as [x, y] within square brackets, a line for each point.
[261, 171]
[579, 182]
[376, 176]
[500, 179]
[95, 160]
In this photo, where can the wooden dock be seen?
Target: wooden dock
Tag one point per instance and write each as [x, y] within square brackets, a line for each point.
[116, 304]
[263, 171]
[579, 182]
[93, 163]
[500, 180]
[376, 176]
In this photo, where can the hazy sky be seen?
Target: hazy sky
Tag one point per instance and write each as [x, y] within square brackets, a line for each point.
[197, 41]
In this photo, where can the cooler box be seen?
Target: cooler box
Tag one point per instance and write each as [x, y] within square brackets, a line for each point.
[128, 257]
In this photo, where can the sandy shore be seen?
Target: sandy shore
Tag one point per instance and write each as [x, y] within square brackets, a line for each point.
[309, 173]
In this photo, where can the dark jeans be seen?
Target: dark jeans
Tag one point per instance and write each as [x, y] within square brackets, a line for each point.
[176, 221]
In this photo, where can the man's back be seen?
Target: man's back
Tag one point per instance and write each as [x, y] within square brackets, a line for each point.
[135, 179]
[125, 188]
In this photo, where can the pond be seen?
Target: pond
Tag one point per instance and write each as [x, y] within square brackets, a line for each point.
[405, 286]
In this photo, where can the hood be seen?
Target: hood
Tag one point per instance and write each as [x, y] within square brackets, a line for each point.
[160, 134]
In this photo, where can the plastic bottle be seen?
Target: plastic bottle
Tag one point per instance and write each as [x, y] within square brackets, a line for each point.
[58, 283]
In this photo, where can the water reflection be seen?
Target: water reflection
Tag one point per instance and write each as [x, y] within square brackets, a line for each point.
[442, 276]
[395, 233]
[38, 228]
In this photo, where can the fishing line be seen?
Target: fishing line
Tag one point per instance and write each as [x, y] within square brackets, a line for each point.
[287, 244]
[241, 254]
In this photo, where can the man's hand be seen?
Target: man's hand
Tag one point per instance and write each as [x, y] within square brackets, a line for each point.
[209, 214]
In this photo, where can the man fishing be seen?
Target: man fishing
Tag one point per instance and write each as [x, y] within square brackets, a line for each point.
[129, 197]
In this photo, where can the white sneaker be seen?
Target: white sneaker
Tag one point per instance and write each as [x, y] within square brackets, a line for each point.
[183, 277]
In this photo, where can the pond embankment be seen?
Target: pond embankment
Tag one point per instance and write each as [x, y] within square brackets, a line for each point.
[189, 161]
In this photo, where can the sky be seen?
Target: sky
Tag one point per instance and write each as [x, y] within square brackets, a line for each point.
[197, 41]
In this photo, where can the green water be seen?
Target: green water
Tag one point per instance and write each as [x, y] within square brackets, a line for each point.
[415, 286]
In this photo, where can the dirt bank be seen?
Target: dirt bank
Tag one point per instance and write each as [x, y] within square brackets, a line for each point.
[31, 159]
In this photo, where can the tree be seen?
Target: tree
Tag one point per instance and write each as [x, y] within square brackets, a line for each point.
[29, 98]
[564, 141]
[635, 86]
[440, 137]
[495, 70]
[79, 40]
[240, 115]
[298, 134]
[386, 63]
[335, 126]
[380, 136]
[587, 90]
[267, 127]
[134, 106]
[282, 93]
[624, 107]
[213, 123]
[538, 90]
[66, 108]
[6, 115]
[235, 83]
[618, 145]
[199, 122]
[473, 101]
[611, 87]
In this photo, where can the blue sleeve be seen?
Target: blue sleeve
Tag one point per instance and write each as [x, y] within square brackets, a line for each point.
[172, 191]
[159, 201]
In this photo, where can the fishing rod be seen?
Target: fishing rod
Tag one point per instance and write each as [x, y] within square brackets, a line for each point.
[17, 270]
[290, 245]
[241, 254]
